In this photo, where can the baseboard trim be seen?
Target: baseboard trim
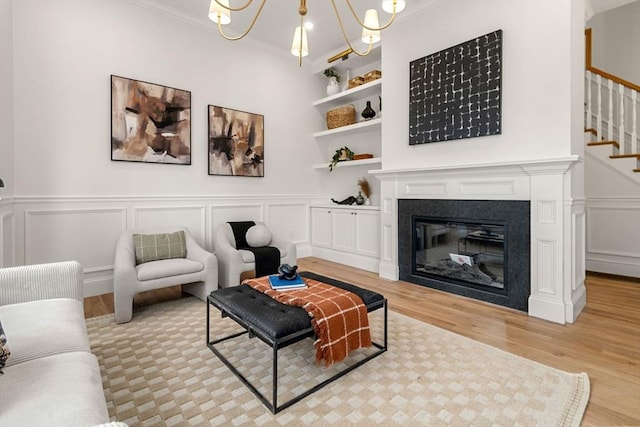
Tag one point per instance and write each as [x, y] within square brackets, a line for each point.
[353, 260]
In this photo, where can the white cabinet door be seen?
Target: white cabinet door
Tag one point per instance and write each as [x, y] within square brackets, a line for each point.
[343, 229]
[321, 227]
[367, 233]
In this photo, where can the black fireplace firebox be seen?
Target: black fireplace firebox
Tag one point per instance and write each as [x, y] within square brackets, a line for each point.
[475, 248]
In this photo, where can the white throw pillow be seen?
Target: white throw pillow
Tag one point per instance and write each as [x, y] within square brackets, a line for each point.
[258, 236]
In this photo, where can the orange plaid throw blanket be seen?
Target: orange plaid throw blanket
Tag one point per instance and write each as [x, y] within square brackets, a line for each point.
[339, 317]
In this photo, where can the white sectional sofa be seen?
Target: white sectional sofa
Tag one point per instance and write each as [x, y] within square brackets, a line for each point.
[51, 378]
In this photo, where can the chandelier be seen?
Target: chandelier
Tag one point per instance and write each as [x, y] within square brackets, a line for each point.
[220, 13]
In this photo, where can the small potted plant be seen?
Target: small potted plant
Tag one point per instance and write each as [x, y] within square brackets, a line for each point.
[341, 154]
[330, 72]
[334, 78]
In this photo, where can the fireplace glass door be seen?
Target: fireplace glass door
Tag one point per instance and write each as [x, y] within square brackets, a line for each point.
[461, 252]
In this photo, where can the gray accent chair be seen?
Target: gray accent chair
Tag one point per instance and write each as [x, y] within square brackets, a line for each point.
[198, 272]
[233, 262]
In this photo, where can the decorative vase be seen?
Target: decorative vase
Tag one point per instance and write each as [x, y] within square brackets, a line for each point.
[333, 87]
[368, 201]
[368, 112]
[359, 198]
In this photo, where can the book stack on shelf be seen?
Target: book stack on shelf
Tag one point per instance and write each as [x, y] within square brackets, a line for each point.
[285, 285]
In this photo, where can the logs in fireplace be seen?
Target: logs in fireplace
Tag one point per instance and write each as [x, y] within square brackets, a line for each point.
[475, 248]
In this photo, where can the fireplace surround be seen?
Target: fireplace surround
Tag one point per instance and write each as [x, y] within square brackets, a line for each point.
[491, 236]
[557, 220]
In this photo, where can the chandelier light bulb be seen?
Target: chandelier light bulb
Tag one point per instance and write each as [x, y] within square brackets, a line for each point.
[219, 13]
[300, 47]
[371, 21]
[387, 6]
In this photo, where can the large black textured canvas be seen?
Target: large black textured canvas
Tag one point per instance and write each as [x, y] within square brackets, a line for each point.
[456, 93]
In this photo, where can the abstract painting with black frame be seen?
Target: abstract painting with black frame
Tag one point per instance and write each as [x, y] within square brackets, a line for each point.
[236, 142]
[149, 122]
[456, 93]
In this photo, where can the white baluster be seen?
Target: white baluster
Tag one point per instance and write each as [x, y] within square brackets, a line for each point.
[589, 108]
[599, 116]
[621, 119]
[634, 122]
[610, 127]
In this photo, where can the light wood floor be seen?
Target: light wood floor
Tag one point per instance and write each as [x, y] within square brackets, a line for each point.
[604, 341]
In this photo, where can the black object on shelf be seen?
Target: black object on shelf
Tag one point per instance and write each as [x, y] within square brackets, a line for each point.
[368, 112]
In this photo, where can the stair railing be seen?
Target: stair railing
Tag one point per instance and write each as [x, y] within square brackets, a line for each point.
[613, 103]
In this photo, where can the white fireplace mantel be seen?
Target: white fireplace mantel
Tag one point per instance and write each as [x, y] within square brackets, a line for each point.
[557, 221]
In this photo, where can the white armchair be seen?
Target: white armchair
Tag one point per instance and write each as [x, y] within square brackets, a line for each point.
[198, 272]
[233, 262]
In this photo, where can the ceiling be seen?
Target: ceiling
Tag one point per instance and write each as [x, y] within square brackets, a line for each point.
[275, 26]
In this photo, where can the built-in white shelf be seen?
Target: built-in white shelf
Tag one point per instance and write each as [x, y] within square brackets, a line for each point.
[350, 95]
[349, 163]
[350, 207]
[350, 128]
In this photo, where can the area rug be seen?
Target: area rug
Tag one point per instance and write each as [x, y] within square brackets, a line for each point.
[158, 371]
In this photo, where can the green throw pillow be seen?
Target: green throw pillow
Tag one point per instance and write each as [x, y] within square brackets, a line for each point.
[154, 247]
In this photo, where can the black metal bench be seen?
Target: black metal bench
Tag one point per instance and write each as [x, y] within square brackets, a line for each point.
[280, 325]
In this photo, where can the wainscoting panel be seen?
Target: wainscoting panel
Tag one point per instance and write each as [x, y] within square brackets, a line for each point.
[289, 221]
[496, 188]
[613, 236]
[40, 230]
[431, 189]
[7, 240]
[86, 235]
[234, 212]
[578, 249]
[191, 217]
[546, 211]
[545, 256]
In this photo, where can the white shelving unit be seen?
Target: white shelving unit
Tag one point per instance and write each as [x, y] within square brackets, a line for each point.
[355, 132]
[350, 234]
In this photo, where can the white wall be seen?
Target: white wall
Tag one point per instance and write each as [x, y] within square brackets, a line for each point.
[536, 101]
[65, 52]
[6, 131]
[70, 201]
[613, 209]
[616, 41]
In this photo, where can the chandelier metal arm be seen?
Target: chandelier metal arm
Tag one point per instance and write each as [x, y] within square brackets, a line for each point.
[355, 15]
[301, 30]
[255, 19]
[344, 33]
[234, 9]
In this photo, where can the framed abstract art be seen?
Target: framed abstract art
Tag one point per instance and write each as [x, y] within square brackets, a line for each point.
[236, 142]
[456, 93]
[150, 123]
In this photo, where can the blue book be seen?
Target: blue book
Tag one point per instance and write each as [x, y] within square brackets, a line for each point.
[278, 283]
